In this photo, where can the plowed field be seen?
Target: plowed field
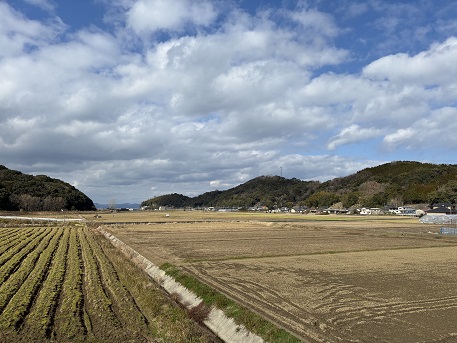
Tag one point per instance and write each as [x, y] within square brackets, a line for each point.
[325, 281]
[64, 283]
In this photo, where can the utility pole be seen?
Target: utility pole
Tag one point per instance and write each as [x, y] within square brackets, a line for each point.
[281, 171]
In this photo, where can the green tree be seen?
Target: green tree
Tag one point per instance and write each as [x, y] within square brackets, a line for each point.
[322, 199]
[4, 201]
[350, 199]
[377, 200]
[445, 193]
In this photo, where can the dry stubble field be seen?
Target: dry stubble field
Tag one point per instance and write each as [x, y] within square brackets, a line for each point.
[329, 280]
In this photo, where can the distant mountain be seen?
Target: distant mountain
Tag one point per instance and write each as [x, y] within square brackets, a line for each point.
[264, 190]
[121, 205]
[38, 193]
[394, 184]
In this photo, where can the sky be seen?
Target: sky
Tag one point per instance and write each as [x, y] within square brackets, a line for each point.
[131, 99]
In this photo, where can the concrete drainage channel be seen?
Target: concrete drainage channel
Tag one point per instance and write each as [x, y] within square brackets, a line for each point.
[222, 326]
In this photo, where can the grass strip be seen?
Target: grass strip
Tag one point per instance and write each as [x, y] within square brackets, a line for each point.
[125, 305]
[19, 305]
[69, 317]
[9, 241]
[166, 321]
[252, 321]
[13, 275]
[5, 232]
[42, 313]
[21, 249]
[98, 304]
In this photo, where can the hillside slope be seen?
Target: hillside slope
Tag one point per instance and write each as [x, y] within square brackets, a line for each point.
[397, 183]
[394, 184]
[38, 193]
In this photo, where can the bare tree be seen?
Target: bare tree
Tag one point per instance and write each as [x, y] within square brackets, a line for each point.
[112, 204]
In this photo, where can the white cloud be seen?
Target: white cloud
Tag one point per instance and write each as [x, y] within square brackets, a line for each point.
[147, 16]
[240, 99]
[399, 137]
[352, 134]
[435, 66]
[315, 23]
[329, 89]
[19, 34]
[435, 132]
[46, 5]
[356, 9]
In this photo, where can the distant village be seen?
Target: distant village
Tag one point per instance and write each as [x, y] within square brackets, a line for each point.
[413, 210]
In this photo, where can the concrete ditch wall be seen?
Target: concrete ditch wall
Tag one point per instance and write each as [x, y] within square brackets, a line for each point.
[225, 328]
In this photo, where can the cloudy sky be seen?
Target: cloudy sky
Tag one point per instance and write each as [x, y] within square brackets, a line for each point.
[129, 99]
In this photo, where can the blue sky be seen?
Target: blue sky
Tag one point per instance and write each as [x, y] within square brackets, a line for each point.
[129, 99]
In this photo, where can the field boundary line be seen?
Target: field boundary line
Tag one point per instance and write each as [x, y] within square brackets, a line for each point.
[221, 325]
[330, 252]
[43, 219]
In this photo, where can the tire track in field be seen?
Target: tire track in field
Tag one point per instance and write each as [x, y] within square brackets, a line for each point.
[267, 302]
[393, 309]
[331, 294]
[346, 303]
[347, 306]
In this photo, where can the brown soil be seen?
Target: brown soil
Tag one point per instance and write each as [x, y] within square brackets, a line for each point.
[325, 281]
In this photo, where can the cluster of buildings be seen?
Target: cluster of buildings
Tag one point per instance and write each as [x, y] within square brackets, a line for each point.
[419, 211]
[435, 209]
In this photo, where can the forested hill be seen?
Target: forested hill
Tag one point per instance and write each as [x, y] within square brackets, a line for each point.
[38, 193]
[394, 184]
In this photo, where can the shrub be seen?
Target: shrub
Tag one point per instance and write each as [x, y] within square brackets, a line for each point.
[200, 312]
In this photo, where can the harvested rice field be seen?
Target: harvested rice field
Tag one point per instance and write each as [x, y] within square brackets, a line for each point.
[329, 280]
[66, 283]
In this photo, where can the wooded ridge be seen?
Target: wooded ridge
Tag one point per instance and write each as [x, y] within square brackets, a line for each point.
[20, 191]
[391, 184]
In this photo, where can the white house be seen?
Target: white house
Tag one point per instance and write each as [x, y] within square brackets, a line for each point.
[365, 211]
[406, 211]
